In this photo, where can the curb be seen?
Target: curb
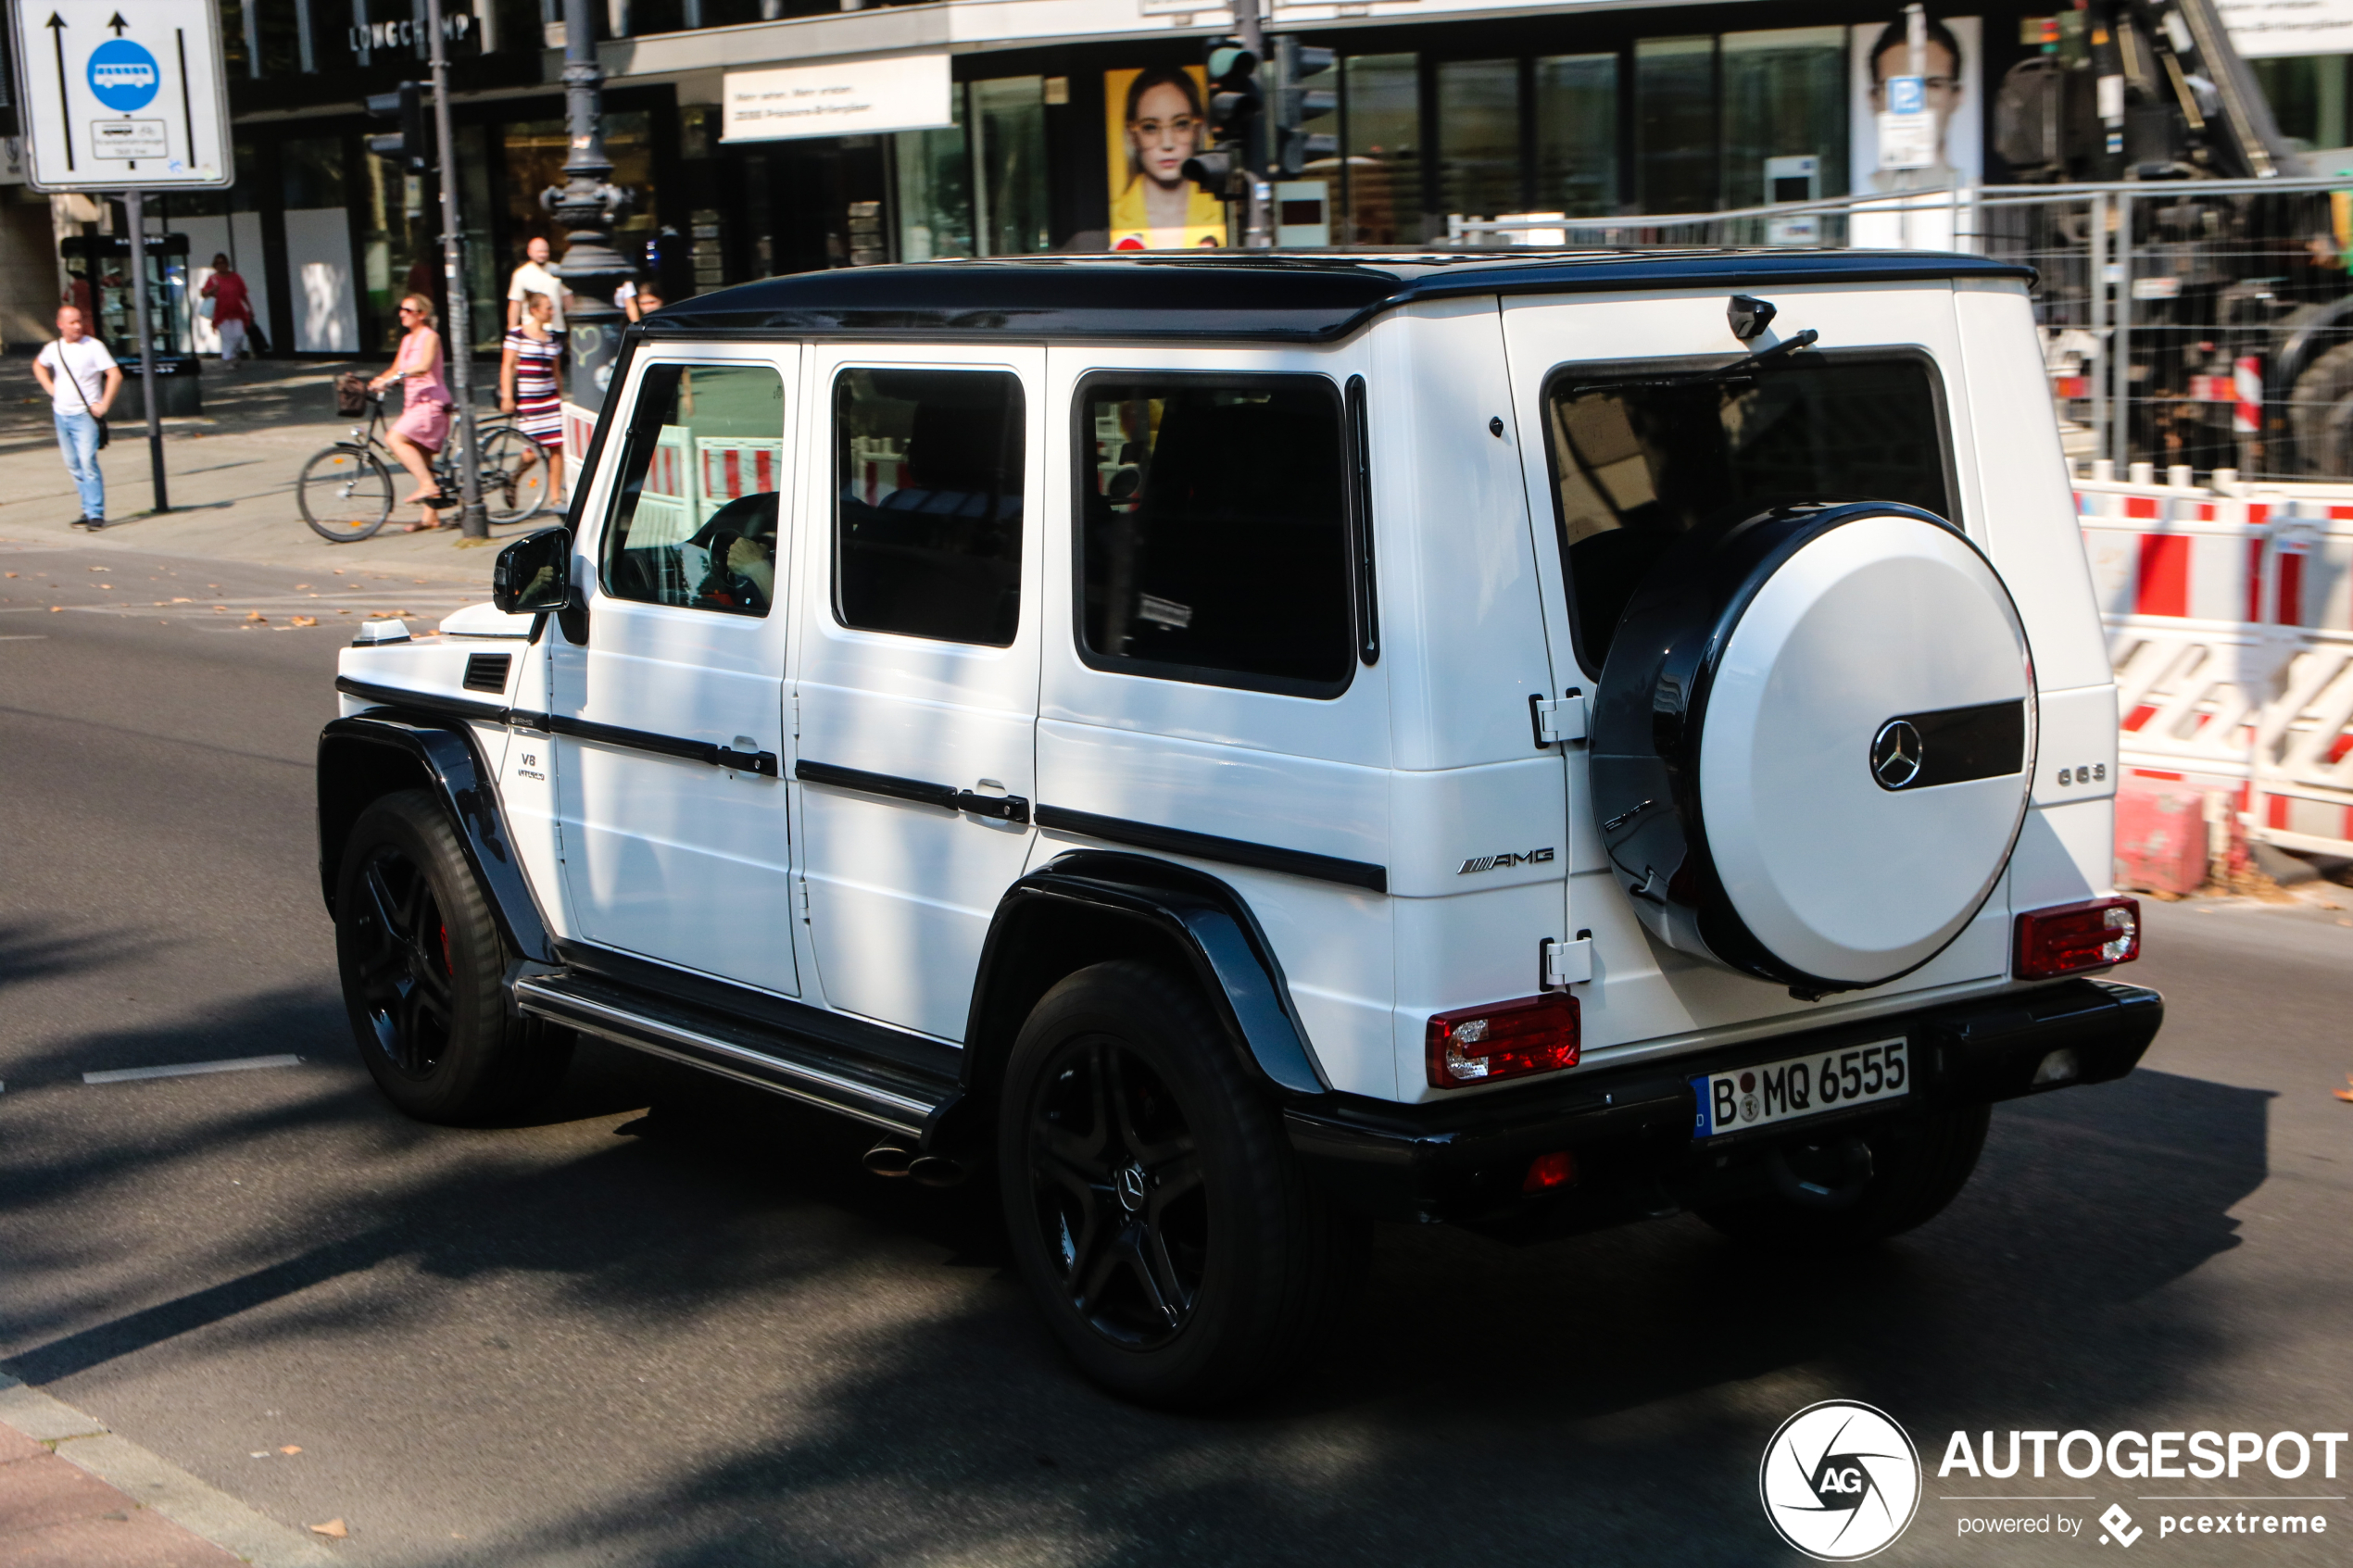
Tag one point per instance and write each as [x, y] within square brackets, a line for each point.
[151, 1482]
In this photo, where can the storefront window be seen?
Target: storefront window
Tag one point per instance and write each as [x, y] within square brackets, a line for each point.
[1382, 107]
[1010, 154]
[535, 152]
[1675, 152]
[2306, 93]
[1784, 103]
[392, 239]
[485, 282]
[935, 189]
[1577, 134]
[1478, 151]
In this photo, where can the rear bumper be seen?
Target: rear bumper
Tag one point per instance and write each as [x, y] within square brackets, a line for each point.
[1630, 1127]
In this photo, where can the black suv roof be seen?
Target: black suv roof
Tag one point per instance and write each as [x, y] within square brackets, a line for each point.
[1287, 297]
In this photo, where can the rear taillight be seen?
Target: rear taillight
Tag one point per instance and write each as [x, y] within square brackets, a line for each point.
[1503, 1040]
[2075, 938]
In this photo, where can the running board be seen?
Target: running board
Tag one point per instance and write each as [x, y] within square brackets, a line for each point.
[883, 1094]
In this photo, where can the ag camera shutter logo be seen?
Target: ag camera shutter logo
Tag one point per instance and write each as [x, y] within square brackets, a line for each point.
[1840, 1480]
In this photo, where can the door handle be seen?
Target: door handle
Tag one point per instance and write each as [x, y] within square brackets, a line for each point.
[999, 808]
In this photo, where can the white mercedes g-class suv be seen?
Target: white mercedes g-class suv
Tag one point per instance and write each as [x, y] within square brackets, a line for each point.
[1234, 744]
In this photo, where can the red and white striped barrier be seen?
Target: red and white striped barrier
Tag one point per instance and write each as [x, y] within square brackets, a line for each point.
[2230, 615]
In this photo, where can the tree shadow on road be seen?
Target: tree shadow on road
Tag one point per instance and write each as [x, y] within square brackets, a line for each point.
[1485, 1402]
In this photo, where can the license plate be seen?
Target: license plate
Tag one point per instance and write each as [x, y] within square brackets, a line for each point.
[1802, 1085]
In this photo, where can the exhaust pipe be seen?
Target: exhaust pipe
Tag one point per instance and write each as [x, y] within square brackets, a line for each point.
[893, 1160]
[938, 1170]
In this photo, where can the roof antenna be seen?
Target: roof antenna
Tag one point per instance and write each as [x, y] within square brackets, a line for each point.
[1749, 316]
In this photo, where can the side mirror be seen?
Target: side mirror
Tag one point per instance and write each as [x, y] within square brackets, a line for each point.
[533, 574]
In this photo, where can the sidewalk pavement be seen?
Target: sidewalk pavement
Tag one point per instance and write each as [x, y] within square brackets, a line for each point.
[53, 1514]
[229, 472]
[74, 1495]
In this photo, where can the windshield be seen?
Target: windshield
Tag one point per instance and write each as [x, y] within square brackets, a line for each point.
[1636, 465]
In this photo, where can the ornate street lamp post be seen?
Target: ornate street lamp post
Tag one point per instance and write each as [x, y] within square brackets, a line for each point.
[587, 203]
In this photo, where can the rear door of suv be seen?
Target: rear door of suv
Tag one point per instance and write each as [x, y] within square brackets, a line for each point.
[916, 688]
[1893, 425]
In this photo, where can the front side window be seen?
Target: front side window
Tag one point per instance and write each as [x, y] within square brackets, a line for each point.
[928, 501]
[694, 519]
[1640, 459]
[1214, 530]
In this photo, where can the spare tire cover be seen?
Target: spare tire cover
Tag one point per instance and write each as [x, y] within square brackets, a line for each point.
[1814, 741]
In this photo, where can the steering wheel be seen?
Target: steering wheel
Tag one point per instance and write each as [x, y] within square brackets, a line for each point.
[747, 517]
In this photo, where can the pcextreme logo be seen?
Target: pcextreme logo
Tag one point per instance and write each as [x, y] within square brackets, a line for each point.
[1840, 1480]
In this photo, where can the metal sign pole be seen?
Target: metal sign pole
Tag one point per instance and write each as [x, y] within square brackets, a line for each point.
[472, 521]
[135, 207]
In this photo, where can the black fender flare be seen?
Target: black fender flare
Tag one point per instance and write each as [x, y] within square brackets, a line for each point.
[1189, 910]
[449, 766]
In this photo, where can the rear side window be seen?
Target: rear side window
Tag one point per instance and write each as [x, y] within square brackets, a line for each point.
[1636, 463]
[1215, 544]
[928, 509]
[693, 518]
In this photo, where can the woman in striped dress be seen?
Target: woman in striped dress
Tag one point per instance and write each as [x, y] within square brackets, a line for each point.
[527, 387]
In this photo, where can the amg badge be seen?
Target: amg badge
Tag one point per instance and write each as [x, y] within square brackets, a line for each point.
[1490, 862]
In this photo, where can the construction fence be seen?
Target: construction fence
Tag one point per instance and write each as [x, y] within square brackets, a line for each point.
[2205, 323]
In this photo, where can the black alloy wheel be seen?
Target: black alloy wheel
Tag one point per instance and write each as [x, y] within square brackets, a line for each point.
[1155, 1211]
[424, 970]
[402, 963]
[1115, 1184]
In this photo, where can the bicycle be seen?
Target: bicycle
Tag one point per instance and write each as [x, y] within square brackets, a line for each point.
[346, 490]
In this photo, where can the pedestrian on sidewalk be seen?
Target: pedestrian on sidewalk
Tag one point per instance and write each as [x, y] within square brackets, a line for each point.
[532, 277]
[639, 298]
[417, 436]
[82, 379]
[231, 309]
[527, 388]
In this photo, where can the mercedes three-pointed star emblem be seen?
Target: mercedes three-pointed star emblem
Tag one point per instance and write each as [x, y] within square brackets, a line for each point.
[1897, 754]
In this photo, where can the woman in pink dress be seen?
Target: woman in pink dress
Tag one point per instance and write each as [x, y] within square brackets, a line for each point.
[423, 425]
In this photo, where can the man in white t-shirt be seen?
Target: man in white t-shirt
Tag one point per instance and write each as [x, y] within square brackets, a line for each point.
[532, 277]
[82, 379]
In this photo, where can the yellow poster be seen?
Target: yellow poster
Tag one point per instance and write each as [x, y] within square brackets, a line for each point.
[1155, 121]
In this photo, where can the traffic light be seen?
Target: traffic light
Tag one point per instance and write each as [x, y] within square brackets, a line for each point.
[1236, 109]
[1295, 148]
[410, 147]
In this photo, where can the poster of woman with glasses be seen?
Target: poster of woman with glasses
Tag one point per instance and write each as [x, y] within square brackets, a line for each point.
[1155, 123]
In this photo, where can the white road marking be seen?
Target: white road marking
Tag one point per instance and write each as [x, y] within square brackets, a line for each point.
[181, 1069]
[26, 637]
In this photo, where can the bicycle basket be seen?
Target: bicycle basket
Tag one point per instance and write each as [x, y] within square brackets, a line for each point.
[351, 395]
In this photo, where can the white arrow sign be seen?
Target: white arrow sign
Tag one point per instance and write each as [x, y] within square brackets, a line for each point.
[117, 94]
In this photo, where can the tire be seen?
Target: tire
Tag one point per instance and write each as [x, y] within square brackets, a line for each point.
[510, 492]
[1212, 1276]
[345, 494]
[2321, 412]
[1917, 1169]
[423, 973]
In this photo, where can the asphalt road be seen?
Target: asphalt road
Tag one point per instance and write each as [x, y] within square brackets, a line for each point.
[707, 1338]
